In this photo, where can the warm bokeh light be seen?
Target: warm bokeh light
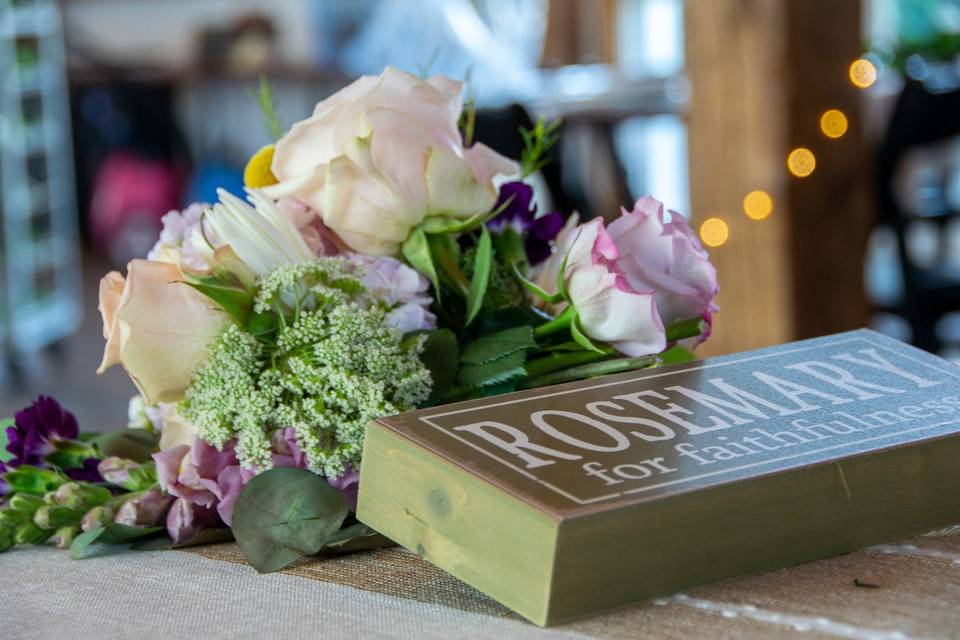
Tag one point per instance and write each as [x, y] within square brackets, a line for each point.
[801, 162]
[863, 73]
[714, 232]
[758, 205]
[833, 123]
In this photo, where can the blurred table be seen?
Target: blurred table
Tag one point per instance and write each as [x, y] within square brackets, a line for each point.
[891, 592]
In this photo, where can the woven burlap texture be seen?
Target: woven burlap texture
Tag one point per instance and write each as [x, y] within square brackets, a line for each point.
[891, 592]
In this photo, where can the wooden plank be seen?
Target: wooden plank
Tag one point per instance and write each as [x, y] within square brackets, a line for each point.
[458, 522]
[566, 501]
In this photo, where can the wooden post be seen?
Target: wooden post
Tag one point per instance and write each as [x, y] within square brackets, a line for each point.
[762, 73]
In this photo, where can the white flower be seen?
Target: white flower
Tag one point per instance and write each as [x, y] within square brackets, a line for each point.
[182, 241]
[261, 235]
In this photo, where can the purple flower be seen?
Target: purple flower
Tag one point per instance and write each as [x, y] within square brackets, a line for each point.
[89, 472]
[146, 511]
[186, 519]
[36, 429]
[349, 485]
[520, 213]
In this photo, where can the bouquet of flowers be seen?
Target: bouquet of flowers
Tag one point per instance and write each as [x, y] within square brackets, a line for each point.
[380, 261]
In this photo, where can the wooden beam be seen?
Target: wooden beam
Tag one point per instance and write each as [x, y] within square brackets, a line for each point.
[762, 73]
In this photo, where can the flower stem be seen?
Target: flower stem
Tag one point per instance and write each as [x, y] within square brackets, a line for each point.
[559, 323]
[591, 370]
[686, 329]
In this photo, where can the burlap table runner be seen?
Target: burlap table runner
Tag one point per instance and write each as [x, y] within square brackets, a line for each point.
[889, 592]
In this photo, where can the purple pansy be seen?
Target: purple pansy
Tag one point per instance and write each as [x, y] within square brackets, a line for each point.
[36, 429]
[520, 213]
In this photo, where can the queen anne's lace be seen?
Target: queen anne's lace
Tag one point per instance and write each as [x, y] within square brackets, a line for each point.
[331, 370]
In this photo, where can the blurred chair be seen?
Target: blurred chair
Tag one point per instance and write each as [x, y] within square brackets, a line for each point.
[922, 119]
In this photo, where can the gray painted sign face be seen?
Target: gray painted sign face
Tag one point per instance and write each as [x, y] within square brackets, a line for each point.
[607, 442]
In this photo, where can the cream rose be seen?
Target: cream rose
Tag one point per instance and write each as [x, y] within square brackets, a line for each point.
[381, 155]
[157, 327]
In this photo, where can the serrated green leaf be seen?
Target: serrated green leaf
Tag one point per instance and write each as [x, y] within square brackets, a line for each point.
[482, 263]
[581, 338]
[494, 346]
[498, 371]
[440, 355]
[416, 250]
[284, 514]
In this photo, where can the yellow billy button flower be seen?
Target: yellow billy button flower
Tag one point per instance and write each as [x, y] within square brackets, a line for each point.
[257, 173]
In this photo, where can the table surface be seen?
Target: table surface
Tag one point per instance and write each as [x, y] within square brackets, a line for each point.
[891, 592]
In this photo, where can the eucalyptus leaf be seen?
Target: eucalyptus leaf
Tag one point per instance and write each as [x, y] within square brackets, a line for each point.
[206, 536]
[130, 444]
[499, 371]
[284, 514]
[482, 263]
[440, 355]
[112, 533]
[493, 346]
[356, 537]
[416, 250]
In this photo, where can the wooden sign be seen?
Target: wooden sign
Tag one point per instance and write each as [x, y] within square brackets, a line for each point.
[565, 501]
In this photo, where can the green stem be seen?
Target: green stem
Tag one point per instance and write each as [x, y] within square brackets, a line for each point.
[559, 323]
[556, 362]
[603, 368]
[686, 329]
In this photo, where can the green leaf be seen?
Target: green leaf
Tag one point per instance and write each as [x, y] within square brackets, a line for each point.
[206, 536]
[482, 263]
[508, 244]
[537, 290]
[440, 355]
[5, 456]
[262, 326]
[499, 371]
[264, 98]
[236, 301]
[416, 250]
[356, 537]
[284, 514]
[112, 533]
[130, 444]
[581, 338]
[494, 346]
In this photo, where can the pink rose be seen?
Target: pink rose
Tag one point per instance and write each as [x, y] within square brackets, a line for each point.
[157, 327]
[666, 258]
[381, 155]
[608, 308]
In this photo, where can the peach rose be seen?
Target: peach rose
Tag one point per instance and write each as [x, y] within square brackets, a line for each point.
[157, 327]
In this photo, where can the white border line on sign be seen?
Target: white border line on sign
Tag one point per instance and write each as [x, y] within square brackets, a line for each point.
[650, 376]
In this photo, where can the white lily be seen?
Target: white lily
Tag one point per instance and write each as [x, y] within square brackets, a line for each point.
[261, 235]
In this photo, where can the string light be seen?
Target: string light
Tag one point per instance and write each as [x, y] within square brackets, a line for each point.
[863, 73]
[758, 205]
[833, 123]
[714, 232]
[801, 162]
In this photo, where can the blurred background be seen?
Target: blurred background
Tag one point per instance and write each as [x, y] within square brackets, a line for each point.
[814, 146]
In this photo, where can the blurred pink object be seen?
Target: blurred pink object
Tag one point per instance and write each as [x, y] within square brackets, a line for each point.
[130, 195]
